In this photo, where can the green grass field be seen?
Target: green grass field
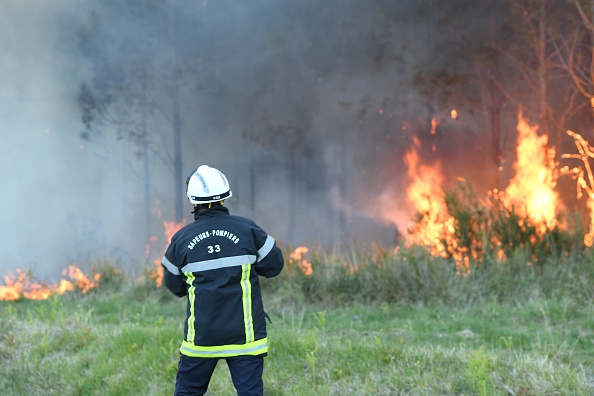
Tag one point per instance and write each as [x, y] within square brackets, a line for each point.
[404, 325]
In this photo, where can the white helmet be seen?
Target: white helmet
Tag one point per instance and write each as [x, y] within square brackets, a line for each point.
[206, 185]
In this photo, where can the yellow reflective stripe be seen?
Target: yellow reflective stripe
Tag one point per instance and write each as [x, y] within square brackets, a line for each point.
[246, 288]
[254, 348]
[191, 299]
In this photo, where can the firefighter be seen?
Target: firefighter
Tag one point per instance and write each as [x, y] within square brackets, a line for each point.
[215, 262]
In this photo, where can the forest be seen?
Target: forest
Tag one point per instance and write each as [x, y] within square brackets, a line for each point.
[311, 108]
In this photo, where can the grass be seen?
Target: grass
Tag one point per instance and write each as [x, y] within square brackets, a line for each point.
[388, 324]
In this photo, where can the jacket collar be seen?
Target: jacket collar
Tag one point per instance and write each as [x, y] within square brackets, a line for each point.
[214, 211]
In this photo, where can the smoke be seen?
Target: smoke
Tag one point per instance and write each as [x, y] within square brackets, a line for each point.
[302, 104]
[59, 201]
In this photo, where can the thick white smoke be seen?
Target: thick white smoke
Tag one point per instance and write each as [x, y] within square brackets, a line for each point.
[60, 202]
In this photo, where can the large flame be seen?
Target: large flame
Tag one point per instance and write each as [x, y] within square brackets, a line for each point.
[530, 194]
[425, 195]
[531, 191]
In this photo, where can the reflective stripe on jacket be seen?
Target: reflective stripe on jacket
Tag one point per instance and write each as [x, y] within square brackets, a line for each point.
[216, 261]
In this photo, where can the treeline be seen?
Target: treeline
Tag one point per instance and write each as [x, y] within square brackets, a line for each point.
[284, 91]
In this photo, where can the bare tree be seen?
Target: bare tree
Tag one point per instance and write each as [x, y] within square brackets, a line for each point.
[576, 52]
[139, 83]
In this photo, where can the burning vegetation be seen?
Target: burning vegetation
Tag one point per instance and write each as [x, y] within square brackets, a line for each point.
[527, 214]
[20, 284]
[298, 257]
[156, 272]
[455, 225]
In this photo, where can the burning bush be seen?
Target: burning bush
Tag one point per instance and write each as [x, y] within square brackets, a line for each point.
[527, 215]
[492, 230]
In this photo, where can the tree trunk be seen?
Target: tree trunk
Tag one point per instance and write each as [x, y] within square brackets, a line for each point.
[496, 128]
[542, 70]
[343, 164]
[146, 174]
[177, 160]
[592, 53]
[292, 196]
[495, 108]
[252, 187]
[176, 112]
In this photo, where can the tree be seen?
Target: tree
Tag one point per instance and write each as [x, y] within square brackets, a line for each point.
[465, 54]
[575, 53]
[514, 62]
[139, 79]
[540, 26]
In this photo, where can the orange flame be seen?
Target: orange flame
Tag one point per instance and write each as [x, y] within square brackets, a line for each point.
[171, 227]
[83, 283]
[298, 256]
[20, 285]
[531, 194]
[531, 191]
[425, 194]
[435, 229]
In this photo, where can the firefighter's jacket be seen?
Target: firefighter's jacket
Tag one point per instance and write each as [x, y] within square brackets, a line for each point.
[215, 261]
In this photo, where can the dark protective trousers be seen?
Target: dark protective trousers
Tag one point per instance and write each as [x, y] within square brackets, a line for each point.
[193, 375]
